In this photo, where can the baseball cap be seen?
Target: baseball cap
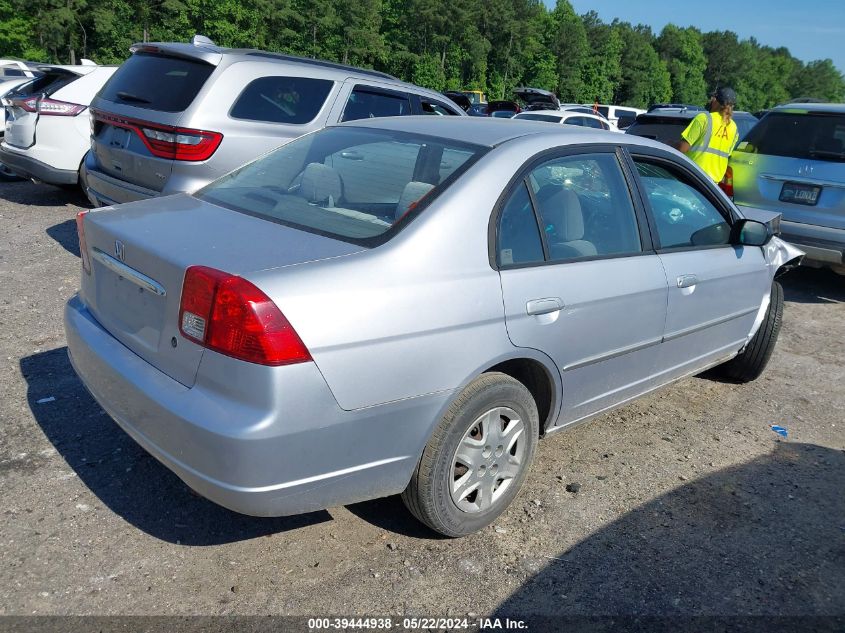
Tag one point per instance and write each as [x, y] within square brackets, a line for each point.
[725, 96]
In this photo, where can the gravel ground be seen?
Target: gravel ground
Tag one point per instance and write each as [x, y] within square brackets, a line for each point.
[687, 502]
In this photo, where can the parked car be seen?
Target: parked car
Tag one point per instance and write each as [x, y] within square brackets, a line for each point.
[48, 122]
[477, 109]
[569, 117]
[16, 69]
[675, 106]
[459, 98]
[502, 109]
[409, 304]
[176, 116]
[793, 162]
[620, 116]
[536, 98]
[666, 125]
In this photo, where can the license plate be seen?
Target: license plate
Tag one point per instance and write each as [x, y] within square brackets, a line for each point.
[800, 193]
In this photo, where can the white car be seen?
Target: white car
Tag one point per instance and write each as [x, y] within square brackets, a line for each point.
[569, 117]
[615, 113]
[56, 105]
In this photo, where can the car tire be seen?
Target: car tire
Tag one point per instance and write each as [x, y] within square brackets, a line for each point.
[477, 458]
[749, 364]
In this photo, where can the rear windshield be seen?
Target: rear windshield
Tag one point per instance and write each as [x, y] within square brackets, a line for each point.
[539, 117]
[156, 82]
[47, 84]
[668, 132]
[804, 135]
[355, 184]
[294, 100]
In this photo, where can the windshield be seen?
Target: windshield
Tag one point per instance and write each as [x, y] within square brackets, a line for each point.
[355, 184]
[806, 135]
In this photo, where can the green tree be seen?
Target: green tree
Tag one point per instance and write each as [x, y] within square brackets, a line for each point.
[645, 77]
[602, 72]
[820, 79]
[681, 50]
[570, 46]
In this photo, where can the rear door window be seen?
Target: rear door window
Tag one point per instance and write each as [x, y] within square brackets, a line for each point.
[157, 82]
[293, 100]
[369, 103]
[814, 136]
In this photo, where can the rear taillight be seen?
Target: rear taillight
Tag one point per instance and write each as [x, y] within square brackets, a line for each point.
[48, 107]
[165, 141]
[727, 183]
[228, 314]
[83, 245]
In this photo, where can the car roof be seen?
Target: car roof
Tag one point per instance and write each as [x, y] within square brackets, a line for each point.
[803, 108]
[217, 55]
[492, 132]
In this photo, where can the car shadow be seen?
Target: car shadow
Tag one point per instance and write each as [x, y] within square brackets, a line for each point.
[123, 476]
[813, 285]
[763, 538]
[29, 193]
[65, 234]
[390, 514]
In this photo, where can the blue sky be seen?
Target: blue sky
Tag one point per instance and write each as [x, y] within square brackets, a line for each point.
[810, 29]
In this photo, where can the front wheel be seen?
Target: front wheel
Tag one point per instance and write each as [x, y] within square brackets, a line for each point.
[749, 364]
[477, 458]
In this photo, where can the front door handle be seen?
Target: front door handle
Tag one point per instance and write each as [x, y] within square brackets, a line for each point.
[687, 281]
[536, 307]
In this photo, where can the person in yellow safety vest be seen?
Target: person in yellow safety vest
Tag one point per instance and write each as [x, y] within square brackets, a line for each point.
[711, 136]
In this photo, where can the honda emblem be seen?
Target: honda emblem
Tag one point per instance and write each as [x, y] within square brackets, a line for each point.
[119, 250]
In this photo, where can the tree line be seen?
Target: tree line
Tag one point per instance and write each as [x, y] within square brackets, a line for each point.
[488, 45]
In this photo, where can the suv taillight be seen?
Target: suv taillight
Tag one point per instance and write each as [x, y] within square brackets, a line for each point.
[727, 183]
[167, 141]
[47, 107]
[228, 314]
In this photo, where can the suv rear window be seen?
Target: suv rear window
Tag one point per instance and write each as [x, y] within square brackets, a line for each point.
[665, 130]
[295, 100]
[807, 135]
[353, 184]
[156, 82]
[48, 83]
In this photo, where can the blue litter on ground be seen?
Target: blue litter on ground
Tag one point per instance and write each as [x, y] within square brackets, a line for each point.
[780, 430]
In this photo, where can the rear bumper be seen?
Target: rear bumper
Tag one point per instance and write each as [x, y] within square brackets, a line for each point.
[285, 450]
[29, 167]
[822, 244]
[104, 190]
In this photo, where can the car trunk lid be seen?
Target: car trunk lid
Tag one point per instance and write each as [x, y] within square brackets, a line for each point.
[139, 253]
[793, 162]
[536, 99]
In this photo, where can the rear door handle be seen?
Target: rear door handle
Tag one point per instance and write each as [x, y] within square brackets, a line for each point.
[687, 281]
[536, 307]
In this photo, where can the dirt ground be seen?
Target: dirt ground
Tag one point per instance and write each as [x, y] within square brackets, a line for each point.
[688, 504]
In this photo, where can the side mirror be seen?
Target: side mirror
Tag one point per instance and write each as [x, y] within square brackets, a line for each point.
[750, 233]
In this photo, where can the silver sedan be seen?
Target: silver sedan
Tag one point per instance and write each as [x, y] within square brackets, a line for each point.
[408, 305]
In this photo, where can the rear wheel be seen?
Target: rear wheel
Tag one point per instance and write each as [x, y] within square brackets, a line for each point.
[748, 365]
[477, 457]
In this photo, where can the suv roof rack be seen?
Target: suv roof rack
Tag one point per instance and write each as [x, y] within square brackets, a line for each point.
[322, 63]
